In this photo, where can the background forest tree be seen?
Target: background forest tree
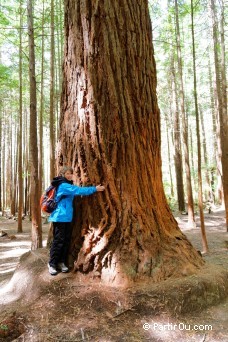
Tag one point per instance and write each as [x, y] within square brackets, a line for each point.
[210, 61]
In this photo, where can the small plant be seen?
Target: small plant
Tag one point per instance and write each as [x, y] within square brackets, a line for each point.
[4, 326]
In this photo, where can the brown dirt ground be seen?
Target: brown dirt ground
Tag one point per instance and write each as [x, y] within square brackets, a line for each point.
[38, 307]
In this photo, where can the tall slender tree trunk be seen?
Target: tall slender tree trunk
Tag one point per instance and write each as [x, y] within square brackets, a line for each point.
[16, 174]
[224, 107]
[20, 171]
[224, 110]
[59, 60]
[52, 87]
[223, 121]
[9, 166]
[110, 134]
[177, 143]
[208, 193]
[214, 114]
[191, 216]
[34, 185]
[26, 157]
[1, 122]
[15, 161]
[41, 109]
[223, 64]
[169, 154]
[0, 155]
[3, 137]
[200, 187]
[14, 154]
[192, 160]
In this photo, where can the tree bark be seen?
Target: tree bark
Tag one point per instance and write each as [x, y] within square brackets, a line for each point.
[34, 175]
[52, 87]
[213, 114]
[59, 59]
[1, 156]
[208, 193]
[20, 176]
[3, 165]
[224, 124]
[26, 161]
[40, 159]
[223, 121]
[110, 134]
[177, 143]
[200, 187]
[8, 164]
[191, 215]
[216, 144]
[223, 63]
[14, 168]
[169, 154]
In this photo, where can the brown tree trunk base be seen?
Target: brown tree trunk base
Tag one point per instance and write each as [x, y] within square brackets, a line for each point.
[122, 256]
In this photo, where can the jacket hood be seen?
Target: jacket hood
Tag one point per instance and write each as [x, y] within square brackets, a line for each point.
[59, 180]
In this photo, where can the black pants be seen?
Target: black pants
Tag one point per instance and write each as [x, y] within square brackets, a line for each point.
[62, 232]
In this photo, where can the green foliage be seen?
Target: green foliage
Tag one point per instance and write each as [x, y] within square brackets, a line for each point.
[6, 78]
[3, 19]
[4, 327]
[4, 74]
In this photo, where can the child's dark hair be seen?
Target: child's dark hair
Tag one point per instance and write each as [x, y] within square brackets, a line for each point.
[64, 169]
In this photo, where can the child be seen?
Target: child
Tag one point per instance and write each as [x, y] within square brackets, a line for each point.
[62, 217]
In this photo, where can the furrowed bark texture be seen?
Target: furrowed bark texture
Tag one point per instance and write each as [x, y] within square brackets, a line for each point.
[110, 134]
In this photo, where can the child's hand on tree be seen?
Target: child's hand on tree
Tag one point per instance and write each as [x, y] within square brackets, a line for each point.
[100, 187]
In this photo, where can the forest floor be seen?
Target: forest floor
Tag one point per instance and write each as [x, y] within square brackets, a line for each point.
[37, 307]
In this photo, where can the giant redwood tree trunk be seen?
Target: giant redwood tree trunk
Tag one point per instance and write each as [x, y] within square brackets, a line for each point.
[110, 134]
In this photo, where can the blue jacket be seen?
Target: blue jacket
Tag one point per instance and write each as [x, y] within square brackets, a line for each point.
[65, 196]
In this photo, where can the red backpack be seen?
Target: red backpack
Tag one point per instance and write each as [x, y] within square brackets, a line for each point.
[47, 201]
